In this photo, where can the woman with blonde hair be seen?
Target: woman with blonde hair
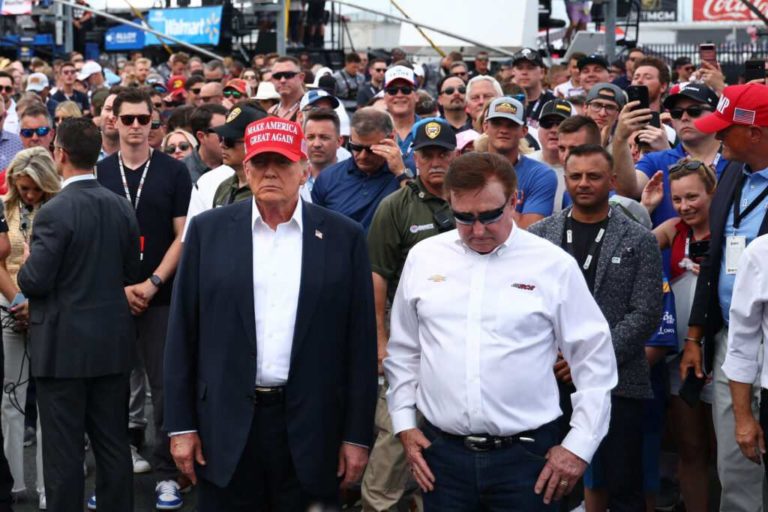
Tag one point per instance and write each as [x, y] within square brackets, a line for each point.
[32, 180]
[65, 110]
[179, 144]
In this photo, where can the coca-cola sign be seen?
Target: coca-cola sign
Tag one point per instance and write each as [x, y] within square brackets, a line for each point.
[726, 10]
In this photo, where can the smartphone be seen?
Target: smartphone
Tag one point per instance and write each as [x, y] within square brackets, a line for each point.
[639, 93]
[18, 299]
[708, 53]
[690, 391]
[754, 70]
[655, 120]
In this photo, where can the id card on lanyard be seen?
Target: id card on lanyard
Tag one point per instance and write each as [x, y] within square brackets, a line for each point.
[735, 244]
[135, 203]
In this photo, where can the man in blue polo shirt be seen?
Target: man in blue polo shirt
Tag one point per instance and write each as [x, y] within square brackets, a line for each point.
[536, 181]
[686, 103]
[356, 186]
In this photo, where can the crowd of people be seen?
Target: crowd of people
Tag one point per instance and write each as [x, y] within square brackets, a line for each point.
[453, 289]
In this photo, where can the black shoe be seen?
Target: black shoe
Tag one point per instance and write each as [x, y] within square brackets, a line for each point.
[136, 437]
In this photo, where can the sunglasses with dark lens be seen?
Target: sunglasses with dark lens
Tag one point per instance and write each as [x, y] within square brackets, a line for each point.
[228, 142]
[358, 148]
[690, 165]
[182, 146]
[450, 90]
[693, 111]
[7, 89]
[158, 106]
[233, 94]
[550, 122]
[380, 70]
[284, 74]
[156, 125]
[484, 218]
[128, 119]
[40, 132]
[196, 91]
[405, 89]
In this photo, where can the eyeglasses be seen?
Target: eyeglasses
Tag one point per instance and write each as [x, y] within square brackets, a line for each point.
[230, 143]
[484, 218]
[550, 122]
[450, 90]
[128, 119]
[380, 70]
[405, 89]
[8, 89]
[692, 111]
[182, 146]
[158, 106]
[156, 125]
[196, 91]
[30, 132]
[284, 74]
[597, 107]
[358, 148]
[233, 94]
[460, 73]
[690, 165]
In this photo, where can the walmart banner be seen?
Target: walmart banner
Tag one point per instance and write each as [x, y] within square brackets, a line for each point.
[196, 25]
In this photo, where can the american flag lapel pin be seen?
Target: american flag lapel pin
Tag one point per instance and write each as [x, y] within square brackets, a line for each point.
[319, 234]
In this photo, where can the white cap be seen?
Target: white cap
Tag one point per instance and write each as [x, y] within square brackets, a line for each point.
[89, 68]
[399, 73]
[267, 91]
[418, 70]
[319, 74]
[37, 82]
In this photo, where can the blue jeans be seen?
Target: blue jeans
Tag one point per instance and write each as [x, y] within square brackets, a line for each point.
[495, 480]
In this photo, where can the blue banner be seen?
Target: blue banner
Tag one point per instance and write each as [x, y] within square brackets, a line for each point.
[123, 38]
[196, 25]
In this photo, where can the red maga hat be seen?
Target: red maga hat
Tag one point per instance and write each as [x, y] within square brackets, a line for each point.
[275, 135]
[740, 104]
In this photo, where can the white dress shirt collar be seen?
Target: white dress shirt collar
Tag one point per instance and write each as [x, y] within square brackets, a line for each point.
[296, 217]
[499, 250]
[74, 179]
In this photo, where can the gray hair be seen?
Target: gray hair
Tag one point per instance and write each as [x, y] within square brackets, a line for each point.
[370, 120]
[479, 78]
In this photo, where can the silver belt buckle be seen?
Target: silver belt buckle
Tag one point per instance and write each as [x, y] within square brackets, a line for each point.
[477, 443]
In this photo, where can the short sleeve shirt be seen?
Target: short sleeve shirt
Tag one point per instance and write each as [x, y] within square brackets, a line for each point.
[10, 144]
[164, 197]
[229, 192]
[536, 186]
[78, 97]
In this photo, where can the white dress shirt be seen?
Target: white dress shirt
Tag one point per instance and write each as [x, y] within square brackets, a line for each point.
[748, 324]
[276, 280]
[75, 179]
[474, 339]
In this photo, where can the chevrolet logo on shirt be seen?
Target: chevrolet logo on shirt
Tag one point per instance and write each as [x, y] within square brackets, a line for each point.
[436, 278]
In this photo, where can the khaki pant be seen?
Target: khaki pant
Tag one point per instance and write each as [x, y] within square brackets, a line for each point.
[387, 479]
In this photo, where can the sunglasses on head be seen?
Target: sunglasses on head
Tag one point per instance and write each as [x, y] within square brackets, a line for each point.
[690, 165]
[229, 142]
[40, 132]
[405, 89]
[233, 94]
[182, 146]
[450, 90]
[550, 122]
[692, 111]
[484, 218]
[358, 148]
[128, 119]
[284, 74]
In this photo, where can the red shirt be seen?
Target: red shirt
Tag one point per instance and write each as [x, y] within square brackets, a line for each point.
[678, 248]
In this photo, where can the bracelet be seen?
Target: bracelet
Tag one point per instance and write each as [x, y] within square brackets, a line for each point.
[694, 340]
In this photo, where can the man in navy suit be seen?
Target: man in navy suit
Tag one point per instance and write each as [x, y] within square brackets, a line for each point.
[270, 363]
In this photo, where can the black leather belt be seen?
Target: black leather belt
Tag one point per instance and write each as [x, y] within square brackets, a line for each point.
[487, 442]
[268, 396]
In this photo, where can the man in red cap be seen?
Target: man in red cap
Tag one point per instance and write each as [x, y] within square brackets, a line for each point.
[271, 393]
[737, 216]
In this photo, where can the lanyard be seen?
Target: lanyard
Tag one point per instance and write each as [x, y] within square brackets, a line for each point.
[135, 204]
[595, 243]
[738, 215]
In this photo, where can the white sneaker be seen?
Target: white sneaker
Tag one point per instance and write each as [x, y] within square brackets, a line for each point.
[140, 465]
[42, 503]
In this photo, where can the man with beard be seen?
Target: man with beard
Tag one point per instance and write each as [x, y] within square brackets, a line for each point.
[452, 99]
[529, 74]
[593, 69]
[404, 218]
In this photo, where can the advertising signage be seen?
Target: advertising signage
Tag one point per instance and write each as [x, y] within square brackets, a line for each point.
[726, 10]
[196, 25]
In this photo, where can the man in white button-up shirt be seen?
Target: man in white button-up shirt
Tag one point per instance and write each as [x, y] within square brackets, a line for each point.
[478, 318]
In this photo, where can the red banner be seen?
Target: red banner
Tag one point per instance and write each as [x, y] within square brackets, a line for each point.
[726, 10]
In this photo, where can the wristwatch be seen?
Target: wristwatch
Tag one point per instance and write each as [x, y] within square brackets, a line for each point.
[405, 175]
[155, 280]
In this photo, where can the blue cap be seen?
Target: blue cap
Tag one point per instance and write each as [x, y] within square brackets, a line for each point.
[315, 95]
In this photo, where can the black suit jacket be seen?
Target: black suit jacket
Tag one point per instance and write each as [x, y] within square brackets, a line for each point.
[706, 303]
[84, 248]
[210, 361]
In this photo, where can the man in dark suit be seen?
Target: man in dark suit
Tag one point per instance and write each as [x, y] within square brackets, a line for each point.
[82, 254]
[270, 362]
[736, 217]
[621, 262]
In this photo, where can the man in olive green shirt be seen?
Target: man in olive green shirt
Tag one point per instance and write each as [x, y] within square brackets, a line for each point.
[404, 218]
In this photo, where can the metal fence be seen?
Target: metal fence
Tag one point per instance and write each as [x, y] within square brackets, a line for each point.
[731, 56]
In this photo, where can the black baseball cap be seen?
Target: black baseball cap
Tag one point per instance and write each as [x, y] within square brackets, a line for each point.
[556, 108]
[434, 132]
[593, 58]
[695, 91]
[237, 120]
[528, 54]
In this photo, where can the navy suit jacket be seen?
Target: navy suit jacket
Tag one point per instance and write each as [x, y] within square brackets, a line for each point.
[210, 358]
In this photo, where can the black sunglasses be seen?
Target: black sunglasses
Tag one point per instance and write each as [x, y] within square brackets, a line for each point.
[29, 132]
[380, 70]
[233, 94]
[358, 148]
[692, 111]
[450, 90]
[171, 148]
[284, 74]
[158, 106]
[484, 218]
[690, 165]
[405, 89]
[7, 88]
[128, 119]
[550, 122]
[196, 91]
[156, 125]
[228, 142]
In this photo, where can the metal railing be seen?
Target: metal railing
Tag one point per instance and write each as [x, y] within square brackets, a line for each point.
[731, 56]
